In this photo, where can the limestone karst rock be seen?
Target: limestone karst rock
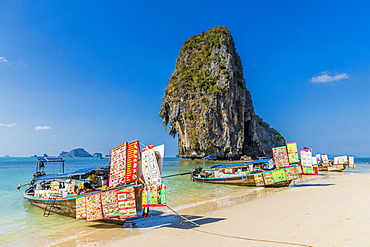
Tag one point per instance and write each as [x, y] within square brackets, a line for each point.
[77, 152]
[208, 105]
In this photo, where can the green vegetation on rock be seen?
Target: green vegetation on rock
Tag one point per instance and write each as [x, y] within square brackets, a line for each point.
[193, 69]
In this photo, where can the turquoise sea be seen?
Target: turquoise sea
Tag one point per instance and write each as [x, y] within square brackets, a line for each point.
[21, 223]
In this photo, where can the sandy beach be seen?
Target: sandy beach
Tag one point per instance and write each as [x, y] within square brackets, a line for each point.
[331, 210]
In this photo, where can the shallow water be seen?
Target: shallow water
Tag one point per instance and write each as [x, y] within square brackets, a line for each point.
[21, 223]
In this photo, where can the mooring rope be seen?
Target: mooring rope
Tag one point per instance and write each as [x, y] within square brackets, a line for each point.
[17, 200]
[237, 237]
[179, 174]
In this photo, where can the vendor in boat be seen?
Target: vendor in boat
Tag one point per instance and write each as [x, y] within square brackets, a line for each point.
[84, 188]
[88, 187]
[94, 180]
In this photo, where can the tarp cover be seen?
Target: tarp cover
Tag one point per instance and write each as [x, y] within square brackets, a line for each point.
[53, 176]
[241, 164]
[69, 174]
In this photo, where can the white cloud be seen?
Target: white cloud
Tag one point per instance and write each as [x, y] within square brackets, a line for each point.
[325, 77]
[4, 60]
[7, 125]
[42, 128]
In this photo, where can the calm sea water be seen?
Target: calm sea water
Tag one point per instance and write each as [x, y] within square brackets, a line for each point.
[21, 223]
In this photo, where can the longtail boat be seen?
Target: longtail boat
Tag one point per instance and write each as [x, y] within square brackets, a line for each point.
[253, 173]
[57, 193]
[330, 167]
[338, 164]
[112, 193]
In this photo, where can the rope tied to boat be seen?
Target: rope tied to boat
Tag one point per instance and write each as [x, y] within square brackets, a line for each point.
[17, 200]
[179, 174]
[236, 237]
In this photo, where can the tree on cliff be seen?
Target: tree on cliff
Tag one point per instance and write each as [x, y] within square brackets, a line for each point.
[208, 105]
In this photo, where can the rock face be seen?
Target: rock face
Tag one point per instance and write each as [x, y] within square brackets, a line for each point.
[207, 104]
[78, 152]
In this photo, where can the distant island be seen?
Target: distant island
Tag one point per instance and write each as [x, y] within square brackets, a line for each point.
[45, 155]
[79, 152]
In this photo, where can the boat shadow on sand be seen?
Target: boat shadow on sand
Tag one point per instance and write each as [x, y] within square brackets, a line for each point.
[161, 220]
[309, 185]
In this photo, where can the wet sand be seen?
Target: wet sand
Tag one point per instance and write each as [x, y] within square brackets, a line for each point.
[328, 211]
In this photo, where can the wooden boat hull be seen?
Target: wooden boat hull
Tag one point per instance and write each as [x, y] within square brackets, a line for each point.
[245, 180]
[64, 206]
[328, 168]
[242, 180]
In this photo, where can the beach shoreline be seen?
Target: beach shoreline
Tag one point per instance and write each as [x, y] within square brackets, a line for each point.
[321, 211]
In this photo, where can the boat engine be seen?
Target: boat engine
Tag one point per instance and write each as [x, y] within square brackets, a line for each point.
[197, 170]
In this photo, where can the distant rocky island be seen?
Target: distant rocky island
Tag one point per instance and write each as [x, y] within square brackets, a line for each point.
[45, 155]
[207, 105]
[79, 152]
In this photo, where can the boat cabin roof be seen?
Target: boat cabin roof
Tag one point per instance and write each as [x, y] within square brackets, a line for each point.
[242, 164]
[82, 171]
[50, 159]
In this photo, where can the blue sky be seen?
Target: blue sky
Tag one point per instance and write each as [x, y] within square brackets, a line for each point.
[92, 74]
